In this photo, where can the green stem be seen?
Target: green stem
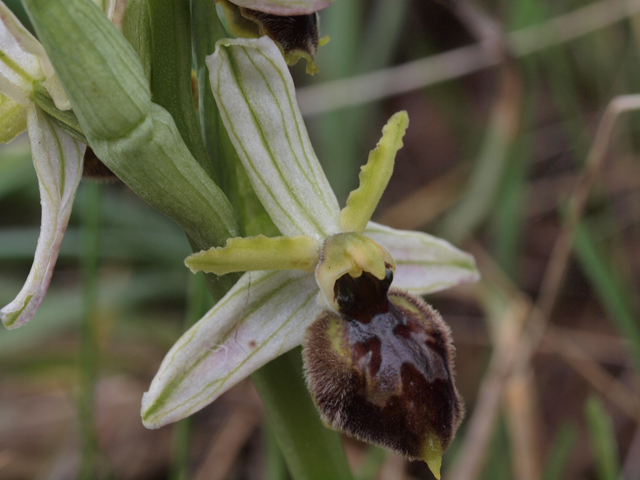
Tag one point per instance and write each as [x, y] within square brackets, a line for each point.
[88, 358]
[171, 72]
[312, 452]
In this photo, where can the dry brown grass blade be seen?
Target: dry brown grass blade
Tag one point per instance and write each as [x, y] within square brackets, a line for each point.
[559, 259]
[369, 87]
[523, 425]
[608, 386]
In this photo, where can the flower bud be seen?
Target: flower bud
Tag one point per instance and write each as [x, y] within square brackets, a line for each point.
[381, 369]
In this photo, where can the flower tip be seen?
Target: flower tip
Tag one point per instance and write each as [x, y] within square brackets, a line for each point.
[434, 465]
[191, 262]
[433, 456]
[148, 420]
[400, 119]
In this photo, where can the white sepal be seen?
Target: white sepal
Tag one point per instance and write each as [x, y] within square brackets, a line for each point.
[263, 316]
[256, 98]
[424, 263]
[57, 158]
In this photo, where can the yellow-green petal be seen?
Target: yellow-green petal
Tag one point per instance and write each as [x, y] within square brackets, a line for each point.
[258, 253]
[374, 176]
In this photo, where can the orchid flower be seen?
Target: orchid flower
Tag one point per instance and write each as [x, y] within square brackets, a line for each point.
[305, 283]
[26, 76]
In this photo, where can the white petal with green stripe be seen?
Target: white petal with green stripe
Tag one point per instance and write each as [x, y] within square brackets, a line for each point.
[263, 316]
[424, 263]
[57, 158]
[256, 97]
[284, 7]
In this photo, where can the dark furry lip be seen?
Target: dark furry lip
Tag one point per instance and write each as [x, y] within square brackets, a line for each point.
[381, 369]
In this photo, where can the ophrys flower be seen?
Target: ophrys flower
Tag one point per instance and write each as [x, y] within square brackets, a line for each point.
[329, 266]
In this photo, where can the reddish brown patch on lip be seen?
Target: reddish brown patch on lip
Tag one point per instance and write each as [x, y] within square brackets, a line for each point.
[252, 344]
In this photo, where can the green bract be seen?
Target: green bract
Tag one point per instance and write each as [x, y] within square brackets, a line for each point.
[267, 312]
[137, 139]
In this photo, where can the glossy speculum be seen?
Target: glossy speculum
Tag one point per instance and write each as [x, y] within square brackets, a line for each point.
[381, 368]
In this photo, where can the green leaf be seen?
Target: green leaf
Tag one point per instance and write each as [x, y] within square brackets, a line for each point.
[135, 138]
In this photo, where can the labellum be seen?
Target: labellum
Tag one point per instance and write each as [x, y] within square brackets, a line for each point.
[381, 369]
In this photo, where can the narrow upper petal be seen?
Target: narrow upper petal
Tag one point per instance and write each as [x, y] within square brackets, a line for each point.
[57, 158]
[374, 176]
[284, 7]
[424, 263]
[263, 316]
[23, 61]
[256, 97]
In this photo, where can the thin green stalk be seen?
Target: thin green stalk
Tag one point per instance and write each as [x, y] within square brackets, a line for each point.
[312, 452]
[602, 439]
[560, 452]
[88, 355]
[171, 72]
[606, 283]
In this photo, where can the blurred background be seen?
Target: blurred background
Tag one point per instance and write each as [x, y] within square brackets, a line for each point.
[514, 153]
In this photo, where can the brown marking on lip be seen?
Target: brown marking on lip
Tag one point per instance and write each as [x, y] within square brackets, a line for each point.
[396, 389]
[252, 344]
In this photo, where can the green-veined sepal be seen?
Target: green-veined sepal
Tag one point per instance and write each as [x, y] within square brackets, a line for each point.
[57, 158]
[256, 97]
[263, 316]
[424, 263]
